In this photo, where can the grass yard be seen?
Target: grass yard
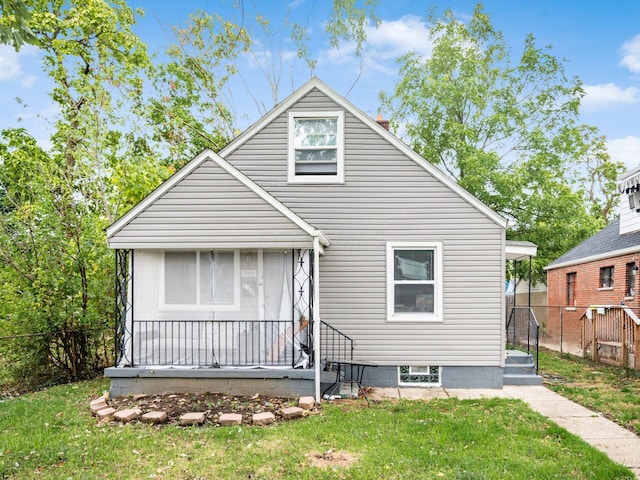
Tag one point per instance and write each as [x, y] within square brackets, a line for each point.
[613, 391]
[50, 434]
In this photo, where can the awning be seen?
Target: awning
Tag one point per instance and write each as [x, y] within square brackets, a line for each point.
[630, 180]
[520, 250]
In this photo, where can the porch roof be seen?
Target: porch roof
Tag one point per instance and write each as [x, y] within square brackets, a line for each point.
[516, 250]
[211, 204]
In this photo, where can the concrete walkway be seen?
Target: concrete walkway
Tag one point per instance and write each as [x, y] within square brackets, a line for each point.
[621, 445]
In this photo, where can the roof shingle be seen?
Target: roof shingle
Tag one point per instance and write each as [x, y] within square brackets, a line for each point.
[607, 240]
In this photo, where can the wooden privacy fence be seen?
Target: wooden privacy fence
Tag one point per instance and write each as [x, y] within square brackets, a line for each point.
[612, 335]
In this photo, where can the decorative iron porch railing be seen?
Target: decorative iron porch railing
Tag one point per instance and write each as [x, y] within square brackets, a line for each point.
[219, 343]
[523, 330]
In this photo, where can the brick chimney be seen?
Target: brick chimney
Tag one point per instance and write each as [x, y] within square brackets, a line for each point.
[384, 123]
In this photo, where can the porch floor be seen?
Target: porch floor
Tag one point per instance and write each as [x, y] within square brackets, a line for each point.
[240, 381]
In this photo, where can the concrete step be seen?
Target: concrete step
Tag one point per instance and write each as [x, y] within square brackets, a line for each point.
[520, 369]
[529, 369]
[517, 379]
[518, 357]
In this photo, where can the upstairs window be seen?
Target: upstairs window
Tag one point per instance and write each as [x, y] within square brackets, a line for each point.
[571, 289]
[606, 277]
[316, 147]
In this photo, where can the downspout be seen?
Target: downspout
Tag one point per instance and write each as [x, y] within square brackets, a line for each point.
[316, 314]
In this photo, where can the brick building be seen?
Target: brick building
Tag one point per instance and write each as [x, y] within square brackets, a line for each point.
[602, 270]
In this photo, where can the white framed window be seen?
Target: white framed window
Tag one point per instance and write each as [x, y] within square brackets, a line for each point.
[423, 376]
[316, 147]
[201, 279]
[414, 281]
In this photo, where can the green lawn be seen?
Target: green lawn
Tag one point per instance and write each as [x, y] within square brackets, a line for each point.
[50, 434]
[614, 391]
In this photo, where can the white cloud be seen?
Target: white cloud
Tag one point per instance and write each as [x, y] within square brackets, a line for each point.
[397, 37]
[11, 63]
[631, 54]
[28, 81]
[602, 96]
[625, 150]
[385, 43]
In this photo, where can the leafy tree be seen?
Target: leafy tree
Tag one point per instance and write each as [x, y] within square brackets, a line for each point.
[507, 133]
[50, 250]
[188, 111]
[55, 266]
[14, 26]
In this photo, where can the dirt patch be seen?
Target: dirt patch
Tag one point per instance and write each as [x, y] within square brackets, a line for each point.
[331, 459]
[212, 404]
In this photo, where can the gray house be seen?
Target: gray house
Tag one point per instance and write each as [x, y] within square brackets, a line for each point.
[315, 238]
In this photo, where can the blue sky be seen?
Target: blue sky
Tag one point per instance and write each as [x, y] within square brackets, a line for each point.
[600, 41]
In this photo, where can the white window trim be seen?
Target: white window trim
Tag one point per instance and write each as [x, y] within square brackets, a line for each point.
[291, 153]
[204, 307]
[436, 316]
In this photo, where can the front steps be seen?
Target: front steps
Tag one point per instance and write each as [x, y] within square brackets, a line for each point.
[520, 369]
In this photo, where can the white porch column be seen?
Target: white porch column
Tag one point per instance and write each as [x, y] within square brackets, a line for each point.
[316, 314]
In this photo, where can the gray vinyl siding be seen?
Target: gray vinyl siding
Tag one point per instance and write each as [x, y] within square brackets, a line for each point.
[388, 197]
[210, 208]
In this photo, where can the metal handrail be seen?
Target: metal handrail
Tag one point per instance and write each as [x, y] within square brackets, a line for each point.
[515, 327]
[335, 346]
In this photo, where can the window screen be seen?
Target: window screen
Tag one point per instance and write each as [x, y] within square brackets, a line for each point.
[199, 278]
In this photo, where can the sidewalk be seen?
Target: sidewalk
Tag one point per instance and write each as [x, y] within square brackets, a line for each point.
[619, 444]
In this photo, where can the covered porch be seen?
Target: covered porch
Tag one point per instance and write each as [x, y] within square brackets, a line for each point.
[522, 329]
[220, 320]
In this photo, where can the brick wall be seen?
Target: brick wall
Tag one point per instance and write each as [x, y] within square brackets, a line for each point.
[588, 291]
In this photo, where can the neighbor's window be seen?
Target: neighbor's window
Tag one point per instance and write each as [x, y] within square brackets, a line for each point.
[414, 281]
[606, 277]
[316, 150]
[419, 376]
[201, 278]
[630, 289]
[571, 289]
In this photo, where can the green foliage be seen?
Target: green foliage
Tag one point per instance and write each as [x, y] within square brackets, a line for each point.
[348, 22]
[57, 271]
[507, 133]
[188, 111]
[51, 246]
[14, 27]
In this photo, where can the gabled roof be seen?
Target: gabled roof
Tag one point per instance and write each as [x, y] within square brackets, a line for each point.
[316, 83]
[606, 243]
[209, 155]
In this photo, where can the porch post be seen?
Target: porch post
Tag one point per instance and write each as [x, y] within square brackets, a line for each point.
[123, 307]
[316, 315]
